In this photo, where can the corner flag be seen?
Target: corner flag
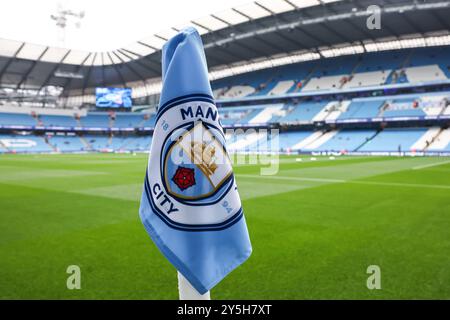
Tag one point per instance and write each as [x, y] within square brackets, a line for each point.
[190, 205]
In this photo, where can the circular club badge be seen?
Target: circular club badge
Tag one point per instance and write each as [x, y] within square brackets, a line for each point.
[190, 182]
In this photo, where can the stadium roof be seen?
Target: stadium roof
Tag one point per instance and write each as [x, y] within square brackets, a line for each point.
[256, 31]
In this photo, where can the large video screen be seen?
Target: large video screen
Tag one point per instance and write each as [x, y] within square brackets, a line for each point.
[113, 97]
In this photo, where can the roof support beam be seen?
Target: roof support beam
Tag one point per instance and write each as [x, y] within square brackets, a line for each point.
[27, 74]
[137, 74]
[68, 83]
[86, 80]
[122, 80]
[11, 60]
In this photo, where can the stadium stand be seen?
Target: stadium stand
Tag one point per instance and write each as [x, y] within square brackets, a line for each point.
[288, 140]
[96, 120]
[321, 140]
[366, 79]
[398, 66]
[400, 108]
[394, 140]
[441, 142]
[425, 73]
[57, 121]
[305, 111]
[98, 143]
[124, 120]
[66, 143]
[24, 144]
[346, 140]
[140, 143]
[18, 119]
[362, 109]
[304, 102]
[436, 57]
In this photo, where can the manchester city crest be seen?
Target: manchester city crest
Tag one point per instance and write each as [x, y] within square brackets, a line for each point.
[190, 180]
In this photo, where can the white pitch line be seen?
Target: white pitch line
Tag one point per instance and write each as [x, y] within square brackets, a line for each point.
[388, 184]
[400, 184]
[430, 165]
[291, 178]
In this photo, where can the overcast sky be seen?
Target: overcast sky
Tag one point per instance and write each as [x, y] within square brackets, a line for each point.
[107, 25]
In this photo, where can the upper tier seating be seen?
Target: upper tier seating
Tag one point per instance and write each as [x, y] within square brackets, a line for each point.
[128, 120]
[58, 121]
[425, 74]
[150, 122]
[264, 82]
[365, 79]
[379, 61]
[282, 87]
[238, 92]
[20, 119]
[95, 120]
[305, 111]
[368, 69]
[431, 56]
[324, 83]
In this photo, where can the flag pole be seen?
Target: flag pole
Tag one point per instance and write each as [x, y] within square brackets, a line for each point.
[188, 292]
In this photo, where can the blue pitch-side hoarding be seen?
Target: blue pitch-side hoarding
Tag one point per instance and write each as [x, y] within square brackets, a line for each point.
[113, 97]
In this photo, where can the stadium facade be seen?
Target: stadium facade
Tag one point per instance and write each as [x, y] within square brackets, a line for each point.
[322, 73]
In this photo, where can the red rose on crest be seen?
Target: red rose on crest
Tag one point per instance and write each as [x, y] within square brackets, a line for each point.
[184, 178]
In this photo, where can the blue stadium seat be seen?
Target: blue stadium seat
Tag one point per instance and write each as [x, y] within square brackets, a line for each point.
[393, 139]
[21, 119]
[347, 140]
[58, 121]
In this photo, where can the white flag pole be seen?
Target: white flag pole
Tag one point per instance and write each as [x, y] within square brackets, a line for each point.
[188, 292]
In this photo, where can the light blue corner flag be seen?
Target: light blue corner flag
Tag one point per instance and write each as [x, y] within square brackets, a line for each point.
[190, 205]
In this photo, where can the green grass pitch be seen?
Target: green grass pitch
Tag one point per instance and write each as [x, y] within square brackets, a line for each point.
[315, 228]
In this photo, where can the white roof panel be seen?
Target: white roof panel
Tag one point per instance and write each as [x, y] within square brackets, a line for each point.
[122, 56]
[140, 49]
[9, 47]
[98, 59]
[253, 11]
[182, 26]
[154, 42]
[276, 6]
[89, 60]
[305, 3]
[112, 56]
[167, 33]
[210, 23]
[76, 57]
[31, 51]
[231, 16]
[54, 54]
